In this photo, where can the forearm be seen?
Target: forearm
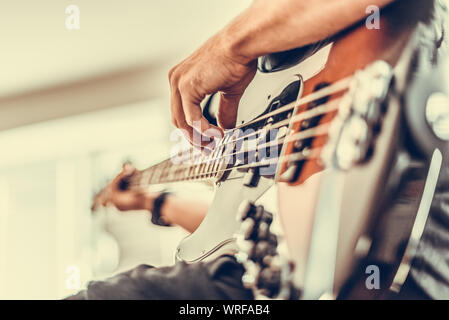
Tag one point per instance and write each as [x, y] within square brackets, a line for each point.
[187, 214]
[271, 26]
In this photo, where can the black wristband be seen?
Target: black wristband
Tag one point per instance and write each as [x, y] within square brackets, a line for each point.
[156, 217]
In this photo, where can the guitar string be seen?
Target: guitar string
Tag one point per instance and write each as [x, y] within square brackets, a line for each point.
[334, 88]
[299, 136]
[304, 115]
[329, 107]
[313, 97]
[298, 156]
[137, 179]
[309, 114]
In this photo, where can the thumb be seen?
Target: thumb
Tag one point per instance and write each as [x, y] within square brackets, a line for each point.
[230, 98]
[227, 111]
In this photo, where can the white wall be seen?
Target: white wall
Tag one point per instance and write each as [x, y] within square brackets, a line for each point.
[48, 174]
[38, 51]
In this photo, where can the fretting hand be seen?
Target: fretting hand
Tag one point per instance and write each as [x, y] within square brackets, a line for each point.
[125, 199]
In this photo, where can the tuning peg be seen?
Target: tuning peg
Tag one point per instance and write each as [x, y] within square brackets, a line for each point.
[251, 178]
[267, 217]
[249, 278]
[245, 209]
[258, 213]
[263, 231]
[265, 273]
[262, 250]
[274, 262]
[245, 249]
[248, 228]
[269, 281]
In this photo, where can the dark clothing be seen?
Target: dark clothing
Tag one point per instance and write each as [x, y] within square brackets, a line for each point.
[430, 268]
[216, 280]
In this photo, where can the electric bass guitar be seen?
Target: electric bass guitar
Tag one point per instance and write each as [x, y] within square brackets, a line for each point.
[319, 130]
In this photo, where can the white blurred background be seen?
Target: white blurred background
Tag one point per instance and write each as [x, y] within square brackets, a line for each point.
[74, 104]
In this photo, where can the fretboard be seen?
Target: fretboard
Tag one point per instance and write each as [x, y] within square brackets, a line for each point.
[232, 151]
[169, 171]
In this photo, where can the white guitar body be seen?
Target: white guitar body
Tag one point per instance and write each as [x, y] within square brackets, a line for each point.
[215, 235]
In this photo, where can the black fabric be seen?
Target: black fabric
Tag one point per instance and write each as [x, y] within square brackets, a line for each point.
[430, 268]
[216, 280]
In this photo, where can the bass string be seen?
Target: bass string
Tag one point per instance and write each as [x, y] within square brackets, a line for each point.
[136, 180]
[300, 136]
[313, 97]
[304, 115]
[309, 114]
[298, 156]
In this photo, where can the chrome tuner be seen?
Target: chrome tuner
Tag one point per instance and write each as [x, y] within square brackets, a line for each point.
[266, 273]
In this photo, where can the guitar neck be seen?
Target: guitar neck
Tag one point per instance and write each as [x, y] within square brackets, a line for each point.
[170, 171]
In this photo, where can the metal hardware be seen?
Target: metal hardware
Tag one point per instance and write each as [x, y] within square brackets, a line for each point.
[267, 273]
[353, 130]
[251, 178]
[437, 114]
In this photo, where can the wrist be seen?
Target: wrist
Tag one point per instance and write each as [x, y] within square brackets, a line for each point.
[159, 210]
[166, 211]
[234, 46]
[149, 200]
